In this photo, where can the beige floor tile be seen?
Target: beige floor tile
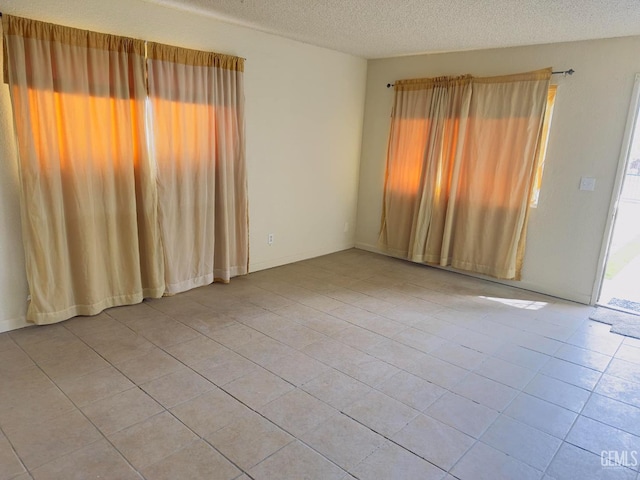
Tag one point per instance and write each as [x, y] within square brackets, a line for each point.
[629, 353]
[123, 347]
[505, 372]
[27, 406]
[297, 412]
[92, 325]
[597, 437]
[154, 364]
[225, 367]
[196, 351]
[522, 356]
[411, 390]
[177, 387]
[459, 412]
[434, 441]
[368, 370]
[235, 335]
[13, 361]
[95, 386]
[334, 353]
[584, 357]
[336, 389]
[34, 334]
[297, 336]
[522, 442]
[485, 392]
[163, 331]
[391, 462]
[297, 368]
[381, 413]
[264, 351]
[249, 440]
[37, 444]
[485, 463]
[128, 313]
[210, 412]
[437, 371]
[122, 410]
[459, 355]
[98, 460]
[358, 337]
[574, 463]
[198, 461]
[268, 323]
[258, 388]
[10, 464]
[152, 440]
[294, 462]
[396, 353]
[73, 363]
[7, 343]
[374, 337]
[20, 385]
[420, 340]
[543, 415]
[343, 440]
[559, 392]
[571, 373]
[324, 323]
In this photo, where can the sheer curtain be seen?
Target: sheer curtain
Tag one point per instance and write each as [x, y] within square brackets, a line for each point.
[197, 105]
[461, 168]
[88, 195]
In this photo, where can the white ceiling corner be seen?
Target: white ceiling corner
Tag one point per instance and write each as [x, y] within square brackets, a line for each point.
[387, 28]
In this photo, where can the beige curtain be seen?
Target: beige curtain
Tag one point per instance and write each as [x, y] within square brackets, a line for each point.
[88, 194]
[197, 104]
[461, 168]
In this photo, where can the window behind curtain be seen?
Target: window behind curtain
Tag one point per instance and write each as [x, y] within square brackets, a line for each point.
[119, 185]
[460, 170]
[197, 123]
[88, 199]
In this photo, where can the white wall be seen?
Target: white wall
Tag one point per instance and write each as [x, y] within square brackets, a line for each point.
[566, 230]
[304, 127]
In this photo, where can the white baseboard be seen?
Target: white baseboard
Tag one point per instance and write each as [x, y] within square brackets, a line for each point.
[524, 285]
[13, 324]
[277, 262]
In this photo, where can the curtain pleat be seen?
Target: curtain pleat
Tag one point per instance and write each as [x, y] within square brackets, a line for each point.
[89, 205]
[197, 104]
[460, 168]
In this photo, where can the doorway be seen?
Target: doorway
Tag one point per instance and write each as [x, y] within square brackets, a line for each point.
[620, 285]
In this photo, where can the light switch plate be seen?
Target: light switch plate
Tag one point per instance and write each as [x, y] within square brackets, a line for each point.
[588, 184]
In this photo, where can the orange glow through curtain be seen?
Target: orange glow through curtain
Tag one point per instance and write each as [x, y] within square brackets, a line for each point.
[461, 165]
[88, 194]
[197, 104]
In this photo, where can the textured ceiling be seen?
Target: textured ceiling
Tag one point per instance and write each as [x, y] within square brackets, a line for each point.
[386, 28]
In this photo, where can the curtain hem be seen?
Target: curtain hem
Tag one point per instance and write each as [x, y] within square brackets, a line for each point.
[42, 318]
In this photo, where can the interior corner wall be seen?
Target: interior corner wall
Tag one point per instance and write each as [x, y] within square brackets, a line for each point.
[304, 120]
[566, 230]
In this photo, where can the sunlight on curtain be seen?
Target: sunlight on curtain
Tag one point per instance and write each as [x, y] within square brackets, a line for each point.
[461, 168]
[88, 194]
[197, 104]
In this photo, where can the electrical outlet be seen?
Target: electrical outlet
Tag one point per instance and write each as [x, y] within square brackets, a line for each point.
[270, 239]
[588, 184]
[346, 227]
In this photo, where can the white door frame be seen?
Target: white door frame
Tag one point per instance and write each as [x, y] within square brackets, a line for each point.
[627, 140]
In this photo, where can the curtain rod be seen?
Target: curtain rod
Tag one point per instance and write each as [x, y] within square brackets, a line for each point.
[571, 71]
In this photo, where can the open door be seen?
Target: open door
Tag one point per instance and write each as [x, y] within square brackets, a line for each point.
[618, 285]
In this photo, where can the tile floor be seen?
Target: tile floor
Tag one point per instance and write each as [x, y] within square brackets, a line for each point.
[351, 365]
